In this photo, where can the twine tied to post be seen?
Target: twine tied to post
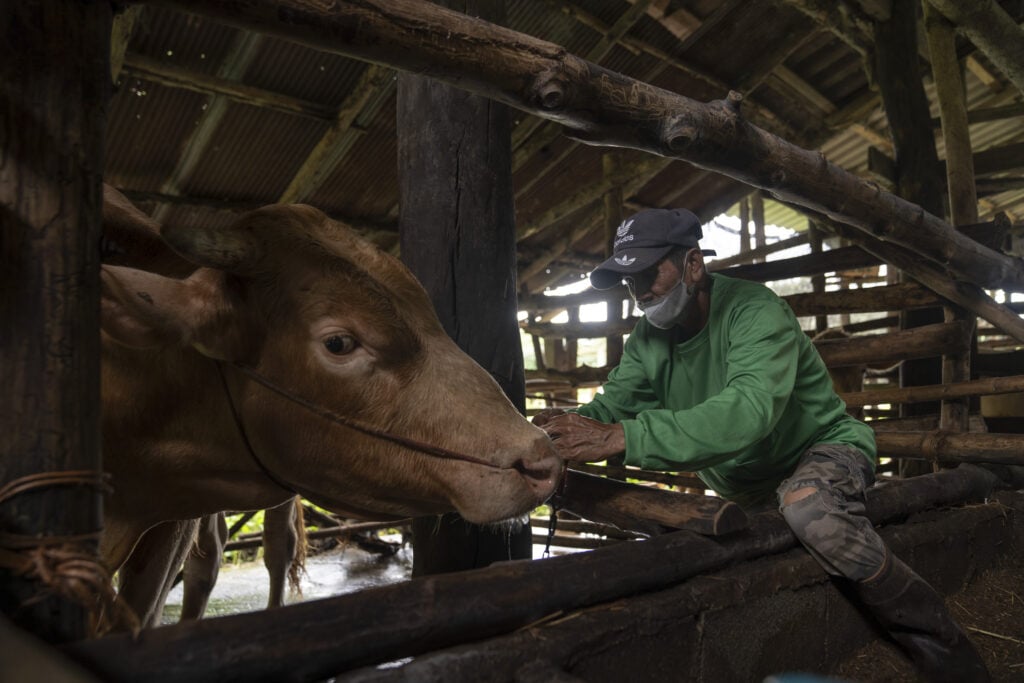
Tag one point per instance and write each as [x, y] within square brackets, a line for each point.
[62, 565]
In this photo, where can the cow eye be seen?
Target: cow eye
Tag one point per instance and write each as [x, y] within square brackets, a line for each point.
[340, 344]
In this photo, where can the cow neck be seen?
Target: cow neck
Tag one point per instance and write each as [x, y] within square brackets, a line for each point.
[412, 444]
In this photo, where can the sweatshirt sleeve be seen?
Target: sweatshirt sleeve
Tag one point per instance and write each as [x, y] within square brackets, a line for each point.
[762, 359]
[626, 392]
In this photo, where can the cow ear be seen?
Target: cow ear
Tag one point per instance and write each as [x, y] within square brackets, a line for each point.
[234, 249]
[142, 310]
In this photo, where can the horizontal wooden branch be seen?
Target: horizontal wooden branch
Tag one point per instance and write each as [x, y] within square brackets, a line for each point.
[639, 508]
[936, 392]
[919, 342]
[413, 617]
[604, 107]
[899, 297]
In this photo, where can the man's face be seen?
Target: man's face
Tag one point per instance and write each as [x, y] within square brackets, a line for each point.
[653, 283]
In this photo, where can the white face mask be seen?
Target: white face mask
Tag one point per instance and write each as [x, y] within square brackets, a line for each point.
[667, 311]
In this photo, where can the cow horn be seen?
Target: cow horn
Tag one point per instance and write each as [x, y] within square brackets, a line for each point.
[231, 249]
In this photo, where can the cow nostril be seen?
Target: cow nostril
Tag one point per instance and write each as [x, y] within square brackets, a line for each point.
[542, 469]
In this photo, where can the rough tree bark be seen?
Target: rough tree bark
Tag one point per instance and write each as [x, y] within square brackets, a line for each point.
[54, 85]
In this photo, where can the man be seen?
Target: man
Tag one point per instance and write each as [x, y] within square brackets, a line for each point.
[719, 379]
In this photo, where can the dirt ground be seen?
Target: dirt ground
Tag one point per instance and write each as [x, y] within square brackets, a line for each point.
[991, 611]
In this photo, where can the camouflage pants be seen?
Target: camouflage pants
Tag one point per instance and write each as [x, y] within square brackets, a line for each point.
[830, 522]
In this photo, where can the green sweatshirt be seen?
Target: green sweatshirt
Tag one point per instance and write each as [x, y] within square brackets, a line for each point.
[738, 403]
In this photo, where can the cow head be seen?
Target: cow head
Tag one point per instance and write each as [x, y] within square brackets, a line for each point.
[327, 316]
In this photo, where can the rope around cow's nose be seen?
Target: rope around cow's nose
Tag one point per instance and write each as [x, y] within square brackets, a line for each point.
[428, 449]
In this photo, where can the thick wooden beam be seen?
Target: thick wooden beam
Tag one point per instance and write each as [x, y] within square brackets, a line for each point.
[639, 508]
[54, 88]
[413, 617]
[457, 229]
[603, 107]
[992, 30]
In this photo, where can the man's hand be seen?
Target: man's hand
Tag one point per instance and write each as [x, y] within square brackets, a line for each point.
[544, 416]
[580, 439]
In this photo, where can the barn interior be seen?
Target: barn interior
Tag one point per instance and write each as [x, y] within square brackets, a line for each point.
[218, 110]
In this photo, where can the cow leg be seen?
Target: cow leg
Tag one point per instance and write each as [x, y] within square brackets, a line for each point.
[281, 537]
[203, 565]
[146, 577]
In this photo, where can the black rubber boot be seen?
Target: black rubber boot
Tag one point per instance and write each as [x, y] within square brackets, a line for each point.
[917, 619]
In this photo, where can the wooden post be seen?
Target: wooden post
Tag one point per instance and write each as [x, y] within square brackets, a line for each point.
[54, 87]
[757, 214]
[458, 237]
[744, 225]
[613, 216]
[963, 198]
[817, 281]
[906, 106]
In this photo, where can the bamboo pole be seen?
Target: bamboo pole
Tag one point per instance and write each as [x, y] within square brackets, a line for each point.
[953, 447]
[936, 392]
[963, 198]
[604, 107]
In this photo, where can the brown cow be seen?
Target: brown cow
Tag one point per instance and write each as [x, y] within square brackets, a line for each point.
[346, 331]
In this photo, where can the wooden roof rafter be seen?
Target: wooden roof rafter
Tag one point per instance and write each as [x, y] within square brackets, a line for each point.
[232, 68]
